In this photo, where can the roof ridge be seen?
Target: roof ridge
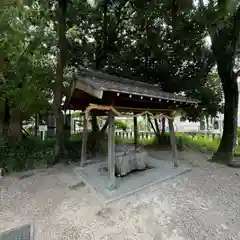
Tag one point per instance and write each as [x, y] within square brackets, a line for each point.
[115, 78]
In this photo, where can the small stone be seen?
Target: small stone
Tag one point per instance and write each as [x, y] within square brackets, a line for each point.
[195, 163]
[224, 226]
[78, 185]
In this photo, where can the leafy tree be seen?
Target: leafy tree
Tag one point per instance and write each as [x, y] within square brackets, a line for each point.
[222, 21]
[210, 95]
[229, 37]
[25, 72]
[56, 14]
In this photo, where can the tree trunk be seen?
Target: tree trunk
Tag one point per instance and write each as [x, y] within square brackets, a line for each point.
[207, 122]
[156, 126]
[59, 145]
[11, 125]
[1, 129]
[15, 129]
[5, 119]
[224, 46]
[95, 127]
[135, 128]
[95, 132]
[157, 133]
[2, 110]
[163, 126]
[149, 120]
[101, 52]
[36, 125]
[105, 126]
[228, 141]
[58, 87]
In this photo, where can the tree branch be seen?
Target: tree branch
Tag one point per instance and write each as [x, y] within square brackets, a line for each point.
[104, 126]
[149, 120]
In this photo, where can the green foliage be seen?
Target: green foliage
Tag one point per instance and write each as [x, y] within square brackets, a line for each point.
[201, 142]
[27, 155]
[210, 95]
[77, 114]
[121, 125]
[145, 42]
[33, 152]
[204, 143]
[27, 69]
[73, 147]
[160, 141]
[238, 132]
[163, 141]
[76, 137]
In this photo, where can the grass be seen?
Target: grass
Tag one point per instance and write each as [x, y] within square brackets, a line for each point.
[204, 143]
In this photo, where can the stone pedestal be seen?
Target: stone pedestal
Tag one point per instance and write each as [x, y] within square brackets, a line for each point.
[128, 162]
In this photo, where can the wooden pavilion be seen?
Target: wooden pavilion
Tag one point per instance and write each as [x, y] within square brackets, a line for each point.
[112, 95]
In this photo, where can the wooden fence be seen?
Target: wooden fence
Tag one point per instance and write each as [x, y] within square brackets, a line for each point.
[130, 135]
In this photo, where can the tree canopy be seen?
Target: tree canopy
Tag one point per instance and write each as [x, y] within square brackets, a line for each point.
[161, 42]
[26, 69]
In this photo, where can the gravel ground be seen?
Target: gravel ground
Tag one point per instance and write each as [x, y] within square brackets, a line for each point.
[202, 204]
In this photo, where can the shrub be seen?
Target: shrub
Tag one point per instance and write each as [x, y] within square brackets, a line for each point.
[73, 147]
[180, 143]
[26, 155]
[76, 137]
[32, 152]
[238, 131]
[121, 125]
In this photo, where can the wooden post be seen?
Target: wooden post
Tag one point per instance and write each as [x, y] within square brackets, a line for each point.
[173, 142]
[111, 152]
[135, 131]
[84, 142]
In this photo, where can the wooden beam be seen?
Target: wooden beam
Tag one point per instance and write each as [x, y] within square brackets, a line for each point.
[111, 152]
[84, 142]
[135, 131]
[173, 142]
[137, 109]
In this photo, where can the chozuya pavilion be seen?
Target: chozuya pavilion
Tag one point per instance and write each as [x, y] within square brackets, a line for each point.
[114, 96]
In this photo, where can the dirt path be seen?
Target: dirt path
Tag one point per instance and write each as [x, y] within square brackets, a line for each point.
[202, 204]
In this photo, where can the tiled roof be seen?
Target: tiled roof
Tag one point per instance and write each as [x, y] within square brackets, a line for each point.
[105, 82]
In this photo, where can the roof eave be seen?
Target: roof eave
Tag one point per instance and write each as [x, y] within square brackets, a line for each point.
[98, 93]
[176, 99]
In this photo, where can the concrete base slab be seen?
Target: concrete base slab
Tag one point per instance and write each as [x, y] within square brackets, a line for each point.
[25, 232]
[96, 176]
